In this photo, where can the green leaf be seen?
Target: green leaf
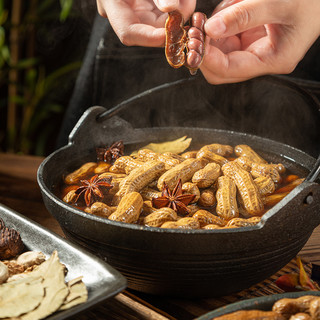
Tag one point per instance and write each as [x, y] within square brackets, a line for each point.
[31, 77]
[3, 16]
[17, 99]
[66, 6]
[5, 54]
[2, 36]
[26, 63]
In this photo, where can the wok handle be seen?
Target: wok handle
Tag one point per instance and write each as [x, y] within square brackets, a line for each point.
[314, 173]
[122, 105]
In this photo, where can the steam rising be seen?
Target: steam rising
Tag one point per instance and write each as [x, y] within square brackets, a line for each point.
[261, 107]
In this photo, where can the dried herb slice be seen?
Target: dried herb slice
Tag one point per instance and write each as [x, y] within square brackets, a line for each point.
[21, 296]
[56, 290]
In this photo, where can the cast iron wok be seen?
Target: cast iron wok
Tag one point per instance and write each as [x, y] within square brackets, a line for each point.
[184, 263]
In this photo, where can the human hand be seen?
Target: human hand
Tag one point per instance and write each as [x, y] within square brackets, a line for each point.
[249, 38]
[141, 22]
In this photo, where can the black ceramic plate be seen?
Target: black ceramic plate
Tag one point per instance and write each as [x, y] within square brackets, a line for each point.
[101, 280]
[262, 303]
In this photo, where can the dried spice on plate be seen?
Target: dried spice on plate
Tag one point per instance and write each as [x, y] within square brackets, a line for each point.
[37, 294]
[32, 287]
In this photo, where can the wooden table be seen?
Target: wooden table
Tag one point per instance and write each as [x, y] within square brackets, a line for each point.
[19, 191]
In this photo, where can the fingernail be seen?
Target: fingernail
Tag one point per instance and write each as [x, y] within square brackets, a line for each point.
[168, 3]
[215, 26]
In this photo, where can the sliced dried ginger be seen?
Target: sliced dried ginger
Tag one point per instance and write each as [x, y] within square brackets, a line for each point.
[78, 293]
[56, 290]
[175, 146]
[21, 296]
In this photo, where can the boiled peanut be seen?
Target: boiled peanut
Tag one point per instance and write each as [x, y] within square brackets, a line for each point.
[149, 193]
[192, 209]
[301, 316]
[251, 315]
[153, 184]
[141, 177]
[193, 61]
[195, 33]
[189, 154]
[102, 167]
[212, 227]
[314, 308]
[128, 209]
[205, 177]
[244, 162]
[239, 222]
[220, 149]
[290, 306]
[205, 217]
[248, 190]
[210, 156]
[198, 20]
[169, 160]
[170, 225]
[183, 223]
[125, 164]
[184, 171]
[191, 188]
[159, 217]
[245, 150]
[80, 173]
[265, 170]
[207, 198]
[265, 185]
[279, 167]
[195, 43]
[173, 155]
[147, 207]
[70, 197]
[227, 207]
[147, 155]
[101, 209]
[112, 175]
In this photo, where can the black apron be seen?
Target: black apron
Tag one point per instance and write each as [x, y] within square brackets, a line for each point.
[112, 72]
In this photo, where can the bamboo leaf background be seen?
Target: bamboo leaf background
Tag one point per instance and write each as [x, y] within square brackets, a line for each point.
[36, 83]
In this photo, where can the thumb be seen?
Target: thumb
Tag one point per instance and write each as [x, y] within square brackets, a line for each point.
[246, 15]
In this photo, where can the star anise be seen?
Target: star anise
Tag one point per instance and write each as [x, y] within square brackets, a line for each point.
[174, 200]
[90, 189]
[112, 153]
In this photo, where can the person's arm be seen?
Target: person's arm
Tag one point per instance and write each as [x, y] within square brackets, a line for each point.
[250, 38]
[141, 22]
